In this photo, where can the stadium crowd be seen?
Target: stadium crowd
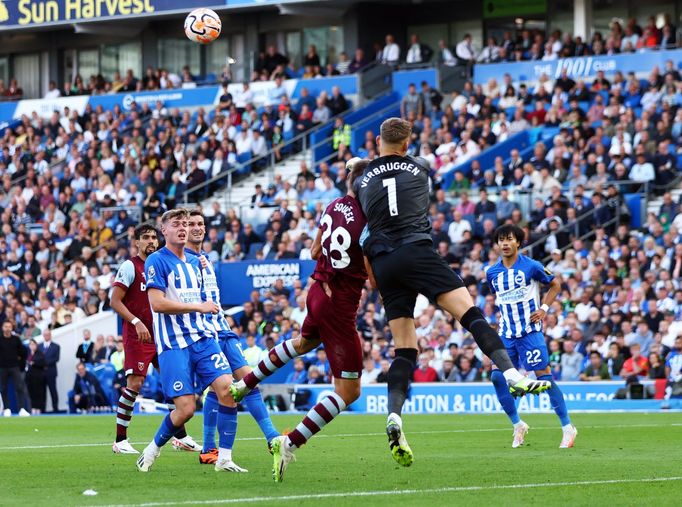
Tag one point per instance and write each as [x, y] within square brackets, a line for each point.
[74, 186]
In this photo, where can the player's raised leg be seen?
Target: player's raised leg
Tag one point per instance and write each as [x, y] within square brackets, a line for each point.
[277, 358]
[459, 303]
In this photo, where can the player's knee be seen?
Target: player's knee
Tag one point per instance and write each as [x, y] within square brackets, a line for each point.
[224, 396]
[134, 382]
[349, 392]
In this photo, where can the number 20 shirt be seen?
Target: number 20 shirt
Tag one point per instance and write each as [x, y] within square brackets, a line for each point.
[181, 281]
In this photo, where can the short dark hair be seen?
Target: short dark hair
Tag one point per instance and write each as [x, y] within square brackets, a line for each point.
[144, 228]
[197, 213]
[509, 230]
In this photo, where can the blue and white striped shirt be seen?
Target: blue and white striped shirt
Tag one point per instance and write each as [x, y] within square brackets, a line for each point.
[215, 321]
[517, 294]
[181, 281]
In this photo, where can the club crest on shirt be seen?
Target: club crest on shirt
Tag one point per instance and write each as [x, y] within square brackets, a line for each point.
[519, 279]
[140, 365]
[199, 277]
[151, 273]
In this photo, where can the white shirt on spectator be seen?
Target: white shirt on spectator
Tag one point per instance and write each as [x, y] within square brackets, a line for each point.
[642, 172]
[448, 58]
[244, 97]
[465, 51]
[258, 146]
[298, 315]
[243, 143]
[489, 54]
[456, 230]
[53, 94]
[445, 148]
[458, 103]
[414, 54]
[582, 311]
[391, 53]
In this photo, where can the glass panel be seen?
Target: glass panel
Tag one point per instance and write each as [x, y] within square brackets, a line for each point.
[318, 37]
[428, 34]
[27, 73]
[604, 11]
[130, 57]
[562, 17]
[88, 64]
[4, 69]
[472, 26]
[216, 56]
[293, 43]
[238, 53]
[334, 44]
[174, 54]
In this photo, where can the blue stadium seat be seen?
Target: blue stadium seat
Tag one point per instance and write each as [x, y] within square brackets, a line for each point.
[106, 373]
[253, 249]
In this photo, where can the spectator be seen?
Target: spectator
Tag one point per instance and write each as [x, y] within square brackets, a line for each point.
[370, 372]
[51, 354]
[299, 375]
[412, 104]
[12, 363]
[358, 62]
[418, 52]
[571, 362]
[85, 351]
[597, 370]
[447, 372]
[445, 55]
[466, 371]
[35, 377]
[424, 372]
[88, 395]
[337, 103]
[390, 55]
[637, 365]
[465, 51]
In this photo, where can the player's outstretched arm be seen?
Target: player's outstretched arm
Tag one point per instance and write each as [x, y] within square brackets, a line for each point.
[161, 304]
[117, 295]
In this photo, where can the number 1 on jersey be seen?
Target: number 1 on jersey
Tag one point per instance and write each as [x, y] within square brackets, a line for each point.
[392, 196]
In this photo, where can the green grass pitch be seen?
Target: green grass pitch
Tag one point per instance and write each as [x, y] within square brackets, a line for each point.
[619, 459]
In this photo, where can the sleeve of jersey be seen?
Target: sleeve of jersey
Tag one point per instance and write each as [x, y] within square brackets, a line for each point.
[125, 275]
[488, 278]
[155, 273]
[542, 274]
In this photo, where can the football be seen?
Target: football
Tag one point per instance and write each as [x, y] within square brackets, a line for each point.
[202, 25]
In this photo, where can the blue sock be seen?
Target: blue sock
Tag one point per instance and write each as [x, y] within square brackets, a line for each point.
[227, 426]
[210, 420]
[504, 396]
[165, 432]
[556, 398]
[256, 406]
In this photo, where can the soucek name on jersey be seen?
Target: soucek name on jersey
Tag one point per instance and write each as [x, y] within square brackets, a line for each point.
[181, 281]
[214, 320]
[517, 294]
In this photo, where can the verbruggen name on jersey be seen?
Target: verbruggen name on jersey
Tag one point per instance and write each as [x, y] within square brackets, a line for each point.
[391, 166]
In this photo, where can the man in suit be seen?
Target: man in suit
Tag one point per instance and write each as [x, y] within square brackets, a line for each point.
[51, 352]
[84, 352]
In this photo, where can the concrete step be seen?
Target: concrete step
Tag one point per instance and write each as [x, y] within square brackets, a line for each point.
[244, 189]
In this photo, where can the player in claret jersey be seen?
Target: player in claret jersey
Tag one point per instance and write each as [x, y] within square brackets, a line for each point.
[129, 300]
[332, 305]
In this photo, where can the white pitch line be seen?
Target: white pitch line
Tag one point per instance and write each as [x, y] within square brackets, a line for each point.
[352, 435]
[350, 494]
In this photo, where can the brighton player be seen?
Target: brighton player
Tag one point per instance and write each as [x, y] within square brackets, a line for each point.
[515, 281]
[187, 348]
[332, 305]
[229, 344]
[129, 300]
[394, 194]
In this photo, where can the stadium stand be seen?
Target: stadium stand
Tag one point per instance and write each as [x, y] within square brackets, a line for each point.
[589, 169]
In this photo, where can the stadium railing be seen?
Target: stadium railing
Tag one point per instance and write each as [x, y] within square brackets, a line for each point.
[302, 140]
